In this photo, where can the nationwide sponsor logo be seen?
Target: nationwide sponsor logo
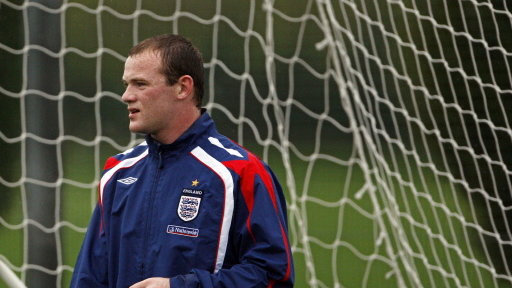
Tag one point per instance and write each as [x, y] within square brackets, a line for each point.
[188, 208]
[185, 231]
[127, 181]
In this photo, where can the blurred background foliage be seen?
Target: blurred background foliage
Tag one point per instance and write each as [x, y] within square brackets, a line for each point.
[379, 48]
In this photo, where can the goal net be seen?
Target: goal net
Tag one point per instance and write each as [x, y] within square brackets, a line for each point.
[387, 122]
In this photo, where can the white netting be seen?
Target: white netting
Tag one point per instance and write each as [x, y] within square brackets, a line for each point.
[386, 121]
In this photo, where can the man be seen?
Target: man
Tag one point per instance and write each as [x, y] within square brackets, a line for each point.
[187, 207]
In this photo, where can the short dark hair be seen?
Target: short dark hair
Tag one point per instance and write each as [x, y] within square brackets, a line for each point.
[179, 57]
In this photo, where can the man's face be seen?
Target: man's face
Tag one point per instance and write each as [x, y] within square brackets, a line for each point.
[151, 101]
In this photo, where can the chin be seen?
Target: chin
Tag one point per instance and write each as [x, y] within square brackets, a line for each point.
[136, 129]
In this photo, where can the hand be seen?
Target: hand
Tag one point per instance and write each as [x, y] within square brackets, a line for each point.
[156, 282]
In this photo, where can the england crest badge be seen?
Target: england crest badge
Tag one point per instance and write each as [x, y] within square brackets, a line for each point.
[190, 200]
[188, 208]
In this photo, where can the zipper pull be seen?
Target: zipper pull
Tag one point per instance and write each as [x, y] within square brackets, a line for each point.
[160, 162]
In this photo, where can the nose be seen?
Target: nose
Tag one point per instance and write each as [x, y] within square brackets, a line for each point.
[127, 96]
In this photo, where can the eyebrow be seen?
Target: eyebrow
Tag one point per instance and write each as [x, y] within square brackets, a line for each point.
[136, 79]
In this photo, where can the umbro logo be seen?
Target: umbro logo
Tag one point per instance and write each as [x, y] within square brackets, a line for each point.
[127, 181]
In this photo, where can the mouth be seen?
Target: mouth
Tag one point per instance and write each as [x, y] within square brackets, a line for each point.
[132, 111]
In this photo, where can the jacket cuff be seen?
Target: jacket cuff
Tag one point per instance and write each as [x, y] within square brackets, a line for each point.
[187, 280]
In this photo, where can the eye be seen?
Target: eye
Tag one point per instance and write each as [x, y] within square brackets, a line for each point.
[140, 83]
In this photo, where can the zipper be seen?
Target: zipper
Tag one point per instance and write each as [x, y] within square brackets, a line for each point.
[147, 231]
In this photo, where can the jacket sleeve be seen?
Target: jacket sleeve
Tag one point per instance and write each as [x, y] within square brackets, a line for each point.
[91, 266]
[259, 237]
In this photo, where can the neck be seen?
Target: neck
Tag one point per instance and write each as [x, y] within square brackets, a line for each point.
[183, 121]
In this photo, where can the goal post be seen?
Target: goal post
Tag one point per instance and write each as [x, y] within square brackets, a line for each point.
[41, 157]
[9, 277]
[387, 122]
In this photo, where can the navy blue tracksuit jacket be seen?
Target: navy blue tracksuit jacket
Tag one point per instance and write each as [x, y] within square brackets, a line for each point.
[202, 211]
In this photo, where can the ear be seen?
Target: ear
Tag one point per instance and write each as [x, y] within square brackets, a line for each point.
[185, 87]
